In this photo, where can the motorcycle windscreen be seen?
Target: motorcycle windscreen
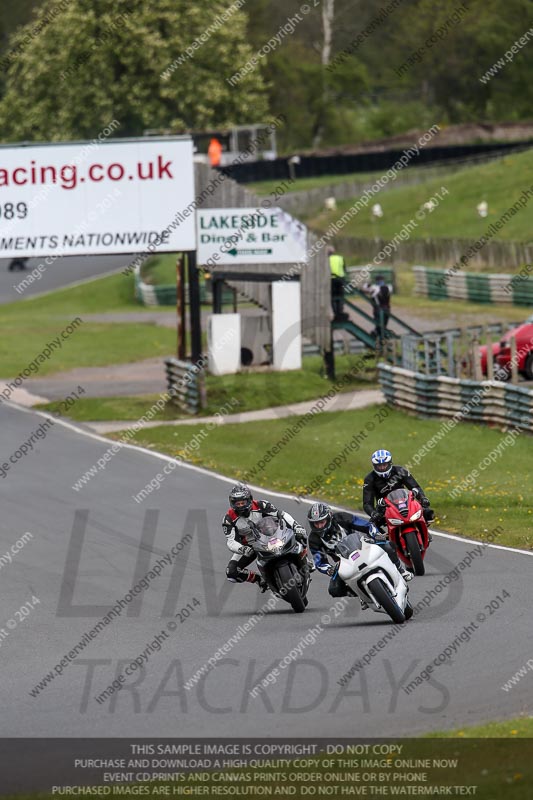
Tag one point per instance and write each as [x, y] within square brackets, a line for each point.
[269, 535]
[348, 545]
[398, 496]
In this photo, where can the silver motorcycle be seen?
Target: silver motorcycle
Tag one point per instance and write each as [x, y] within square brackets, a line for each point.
[281, 560]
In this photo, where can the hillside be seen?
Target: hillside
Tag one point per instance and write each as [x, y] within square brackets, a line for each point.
[500, 183]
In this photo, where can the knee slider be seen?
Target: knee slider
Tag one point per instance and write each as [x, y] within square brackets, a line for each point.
[234, 574]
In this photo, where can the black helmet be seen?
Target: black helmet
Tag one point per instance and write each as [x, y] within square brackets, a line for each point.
[320, 519]
[240, 500]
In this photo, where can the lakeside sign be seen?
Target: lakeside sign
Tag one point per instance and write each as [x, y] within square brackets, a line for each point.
[93, 198]
[249, 236]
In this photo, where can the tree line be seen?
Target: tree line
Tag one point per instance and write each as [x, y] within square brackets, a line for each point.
[341, 71]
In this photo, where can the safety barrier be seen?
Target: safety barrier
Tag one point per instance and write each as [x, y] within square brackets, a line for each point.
[477, 287]
[152, 295]
[165, 294]
[249, 171]
[184, 384]
[454, 352]
[487, 402]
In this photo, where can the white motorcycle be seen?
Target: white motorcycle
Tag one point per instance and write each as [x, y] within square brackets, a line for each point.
[370, 574]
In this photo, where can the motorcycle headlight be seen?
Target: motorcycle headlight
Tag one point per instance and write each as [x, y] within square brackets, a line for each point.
[396, 521]
[416, 515]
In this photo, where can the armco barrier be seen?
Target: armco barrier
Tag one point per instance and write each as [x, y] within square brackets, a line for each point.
[183, 381]
[488, 402]
[150, 295]
[165, 295]
[477, 287]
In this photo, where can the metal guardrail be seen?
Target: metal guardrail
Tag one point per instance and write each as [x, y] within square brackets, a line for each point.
[444, 352]
[165, 294]
[476, 287]
[185, 385]
[487, 402]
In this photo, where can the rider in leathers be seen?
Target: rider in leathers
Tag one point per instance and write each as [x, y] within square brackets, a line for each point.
[328, 528]
[235, 523]
[384, 478]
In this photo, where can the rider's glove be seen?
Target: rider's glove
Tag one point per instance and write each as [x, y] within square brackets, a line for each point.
[330, 570]
[416, 493]
[246, 551]
[377, 517]
[300, 533]
[424, 502]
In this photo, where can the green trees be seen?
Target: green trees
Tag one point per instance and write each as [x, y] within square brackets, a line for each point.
[345, 72]
[99, 60]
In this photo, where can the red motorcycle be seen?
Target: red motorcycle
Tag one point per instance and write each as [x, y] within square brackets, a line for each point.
[407, 528]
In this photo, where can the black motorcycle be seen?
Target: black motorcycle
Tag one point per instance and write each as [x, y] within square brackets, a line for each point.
[17, 264]
[281, 560]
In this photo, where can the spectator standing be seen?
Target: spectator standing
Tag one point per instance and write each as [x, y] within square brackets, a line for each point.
[380, 294]
[338, 271]
[214, 152]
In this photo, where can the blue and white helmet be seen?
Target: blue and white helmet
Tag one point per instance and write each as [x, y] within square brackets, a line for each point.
[382, 463]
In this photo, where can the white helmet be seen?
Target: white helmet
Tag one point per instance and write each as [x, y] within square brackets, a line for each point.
[382, 463]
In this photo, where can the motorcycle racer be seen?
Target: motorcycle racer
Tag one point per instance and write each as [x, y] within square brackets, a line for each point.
[328, 528]
[384, 478]
[236, 523]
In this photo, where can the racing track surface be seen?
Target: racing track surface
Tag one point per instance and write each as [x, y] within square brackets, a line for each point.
[63, 272]
[36, 496]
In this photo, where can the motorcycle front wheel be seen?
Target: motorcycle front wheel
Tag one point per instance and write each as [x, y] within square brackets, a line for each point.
[383, 596]
[415, 554]
[285, 576]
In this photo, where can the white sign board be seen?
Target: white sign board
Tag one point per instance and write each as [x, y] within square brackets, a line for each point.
[250, 236]
[95, 198]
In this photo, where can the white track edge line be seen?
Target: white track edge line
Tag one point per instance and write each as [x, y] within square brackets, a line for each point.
[203, 471]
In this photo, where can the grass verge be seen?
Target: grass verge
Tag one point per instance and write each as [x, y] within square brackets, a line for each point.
[26, 326]
[304, 184]
[521, 728]
[301, 467]
[160, 270]
[246, 391]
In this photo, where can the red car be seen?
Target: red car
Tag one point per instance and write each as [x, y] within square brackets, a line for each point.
[501, 351]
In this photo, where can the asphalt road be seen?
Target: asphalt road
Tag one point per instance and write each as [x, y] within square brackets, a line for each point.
[106, 525]
[61, 273]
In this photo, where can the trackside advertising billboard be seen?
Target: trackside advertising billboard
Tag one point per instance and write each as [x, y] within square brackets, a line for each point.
[97, 198]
